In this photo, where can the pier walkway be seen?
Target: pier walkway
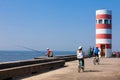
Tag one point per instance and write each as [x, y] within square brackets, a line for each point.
[108, 69]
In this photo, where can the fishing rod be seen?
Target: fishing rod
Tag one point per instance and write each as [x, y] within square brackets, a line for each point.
[29, 48]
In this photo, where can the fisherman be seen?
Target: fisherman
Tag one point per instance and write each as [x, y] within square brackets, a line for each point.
[49, 53]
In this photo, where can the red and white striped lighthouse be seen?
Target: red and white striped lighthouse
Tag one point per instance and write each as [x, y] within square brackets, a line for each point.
[104, 31]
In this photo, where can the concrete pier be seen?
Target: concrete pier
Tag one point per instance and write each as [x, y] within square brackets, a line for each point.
[10, 70]
[108, 69]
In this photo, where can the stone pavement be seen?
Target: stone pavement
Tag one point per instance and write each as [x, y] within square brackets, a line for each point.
[108, 69]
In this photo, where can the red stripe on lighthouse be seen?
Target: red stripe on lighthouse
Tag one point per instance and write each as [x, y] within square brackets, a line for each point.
[103, 16]
[103, 26]
[103, 36]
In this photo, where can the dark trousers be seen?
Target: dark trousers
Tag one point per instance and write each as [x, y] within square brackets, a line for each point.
[96, 55]
[82, 61]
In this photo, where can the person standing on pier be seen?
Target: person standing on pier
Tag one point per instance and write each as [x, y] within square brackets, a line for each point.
[89, 52]
[92, 52]
[49, 53]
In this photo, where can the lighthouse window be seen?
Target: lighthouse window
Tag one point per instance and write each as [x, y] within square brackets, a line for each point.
[110, 22]
[96, 21]
[106, 21]
[100, 21]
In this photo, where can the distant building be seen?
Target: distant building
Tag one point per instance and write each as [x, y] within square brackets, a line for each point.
[104, 31]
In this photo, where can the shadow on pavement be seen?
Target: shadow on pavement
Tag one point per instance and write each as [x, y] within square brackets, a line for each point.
[104, 64]
[92, 71]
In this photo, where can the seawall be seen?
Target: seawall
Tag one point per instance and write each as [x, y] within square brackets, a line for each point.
[9, 70]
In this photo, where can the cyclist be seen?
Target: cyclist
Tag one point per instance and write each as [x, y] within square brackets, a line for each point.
[80, 56]
[96, 53]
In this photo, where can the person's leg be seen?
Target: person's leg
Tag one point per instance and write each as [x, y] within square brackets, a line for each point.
[48, 55]
[83, 65]
[78, 62]
[97, 58]
[83, 62]
[95, 55]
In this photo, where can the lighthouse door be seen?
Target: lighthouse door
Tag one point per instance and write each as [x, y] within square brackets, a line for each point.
[102, 50]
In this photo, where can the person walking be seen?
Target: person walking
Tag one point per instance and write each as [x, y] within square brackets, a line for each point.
[90, 52]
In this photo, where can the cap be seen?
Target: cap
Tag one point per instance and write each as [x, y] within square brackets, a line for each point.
[47, 48]
[80, 47]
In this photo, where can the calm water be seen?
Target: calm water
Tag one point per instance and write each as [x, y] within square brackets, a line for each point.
[6, 56]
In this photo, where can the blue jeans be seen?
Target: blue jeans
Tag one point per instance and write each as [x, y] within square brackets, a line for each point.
[82, 61]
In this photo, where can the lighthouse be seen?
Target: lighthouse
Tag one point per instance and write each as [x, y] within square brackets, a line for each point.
[104, 31]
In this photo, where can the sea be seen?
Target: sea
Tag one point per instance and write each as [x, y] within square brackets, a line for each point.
[7, 56]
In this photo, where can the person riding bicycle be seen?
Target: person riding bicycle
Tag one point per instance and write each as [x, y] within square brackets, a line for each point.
[96, 53]
[80, 55]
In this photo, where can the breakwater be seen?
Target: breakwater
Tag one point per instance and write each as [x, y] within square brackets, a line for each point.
[9, 70]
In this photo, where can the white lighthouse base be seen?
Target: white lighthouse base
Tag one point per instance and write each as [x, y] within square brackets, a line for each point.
[108, 53]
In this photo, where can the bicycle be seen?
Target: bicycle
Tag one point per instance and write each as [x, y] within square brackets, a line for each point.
[80, 66]
[96, 61]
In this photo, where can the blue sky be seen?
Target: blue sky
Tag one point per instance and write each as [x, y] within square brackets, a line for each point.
[57, 24]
